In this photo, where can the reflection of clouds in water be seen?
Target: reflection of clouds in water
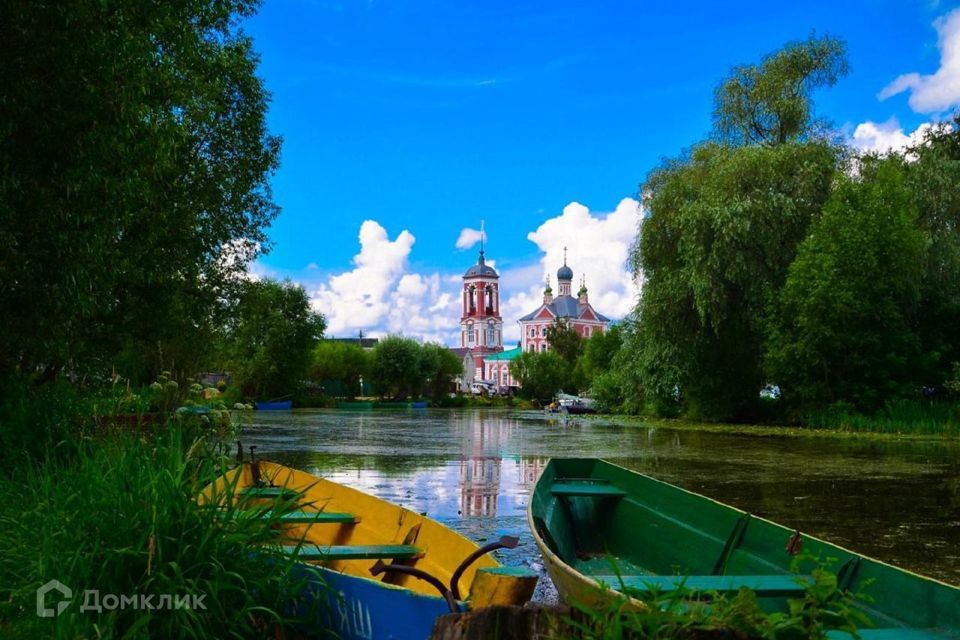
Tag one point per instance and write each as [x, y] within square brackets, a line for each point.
[415, 458]
[483, 486]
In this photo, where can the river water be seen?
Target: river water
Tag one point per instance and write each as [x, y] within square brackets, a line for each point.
[895, 500]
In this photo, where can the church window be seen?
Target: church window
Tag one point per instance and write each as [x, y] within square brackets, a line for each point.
[543, 331]
[470, 336]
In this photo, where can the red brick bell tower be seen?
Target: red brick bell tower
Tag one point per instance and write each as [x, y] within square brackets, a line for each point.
[481, 327]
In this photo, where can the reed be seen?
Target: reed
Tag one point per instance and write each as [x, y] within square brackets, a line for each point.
[905, 416]
[121, 517]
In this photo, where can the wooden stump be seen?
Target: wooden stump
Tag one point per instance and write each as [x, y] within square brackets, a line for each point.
[539, 622]
[529, 622]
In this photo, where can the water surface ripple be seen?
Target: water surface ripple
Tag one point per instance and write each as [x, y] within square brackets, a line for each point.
[898, 501]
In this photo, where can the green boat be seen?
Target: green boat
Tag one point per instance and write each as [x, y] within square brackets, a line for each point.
[589, 516]
[355, 406]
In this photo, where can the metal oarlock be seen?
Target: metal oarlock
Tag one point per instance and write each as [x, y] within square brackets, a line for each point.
[382, 567]
[505, 542]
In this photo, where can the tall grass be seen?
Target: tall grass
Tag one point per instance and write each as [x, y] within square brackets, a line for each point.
[121, 517]
[40, 423]
[925, 417]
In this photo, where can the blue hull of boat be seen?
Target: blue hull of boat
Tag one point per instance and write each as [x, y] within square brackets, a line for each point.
[360, 609]
[274, 406]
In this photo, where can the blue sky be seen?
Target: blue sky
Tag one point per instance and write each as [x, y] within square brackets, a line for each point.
[426, 117]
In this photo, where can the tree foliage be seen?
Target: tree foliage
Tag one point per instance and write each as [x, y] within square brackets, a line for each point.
[564, 340]
[271, 337]
[541, 375]
[134, 160]
[439, 366]
[722, 227]
[932, 177]
[844, 330]
[771, 103]
[339, 366]
[599, 351]
[397, 368]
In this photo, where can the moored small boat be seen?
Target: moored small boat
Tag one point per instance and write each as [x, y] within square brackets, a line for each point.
[274, 405]
[384, 571]
[578, 409]
[575, 405]
[357, 405]
[606, 532]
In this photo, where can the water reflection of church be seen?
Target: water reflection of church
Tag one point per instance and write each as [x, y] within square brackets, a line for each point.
[479, 485]
[481, 466]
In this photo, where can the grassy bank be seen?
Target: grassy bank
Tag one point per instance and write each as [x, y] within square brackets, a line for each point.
[469, 402]
[916, 417]
[895, 419]
[118, 515]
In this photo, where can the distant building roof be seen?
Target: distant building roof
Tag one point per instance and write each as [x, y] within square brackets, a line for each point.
[460, 352]
[504, 355]
[365, 343]
[565, 307]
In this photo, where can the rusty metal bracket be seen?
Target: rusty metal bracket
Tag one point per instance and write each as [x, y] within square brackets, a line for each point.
[795, 543]
[505, 542]
[381, 567]
[255, 468]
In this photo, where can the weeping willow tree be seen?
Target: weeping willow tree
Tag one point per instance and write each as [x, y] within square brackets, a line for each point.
[722, 226]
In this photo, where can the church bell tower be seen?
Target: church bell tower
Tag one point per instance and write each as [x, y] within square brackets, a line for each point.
[481, 327]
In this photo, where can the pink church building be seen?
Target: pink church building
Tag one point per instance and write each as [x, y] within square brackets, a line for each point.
[577, 312]
[481, 326]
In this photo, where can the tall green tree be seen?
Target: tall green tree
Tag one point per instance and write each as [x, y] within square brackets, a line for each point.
[845, 325]
[397, 369]
[134, 166]
[440, 366]
[339, 366]
[271, 338]
[599, 351]
[772, 102]
[932, 177]
[722, 227]
[564, 340]
[541, 375]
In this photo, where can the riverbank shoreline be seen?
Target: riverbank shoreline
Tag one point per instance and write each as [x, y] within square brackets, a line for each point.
[764, 430]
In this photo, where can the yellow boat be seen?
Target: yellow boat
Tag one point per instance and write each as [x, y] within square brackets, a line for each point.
[393, 571]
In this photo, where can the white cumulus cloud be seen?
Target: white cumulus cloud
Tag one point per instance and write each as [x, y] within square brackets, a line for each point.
[598, 247]
[939, 91]
[381, 295]
[884, 137]
[469, 237]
